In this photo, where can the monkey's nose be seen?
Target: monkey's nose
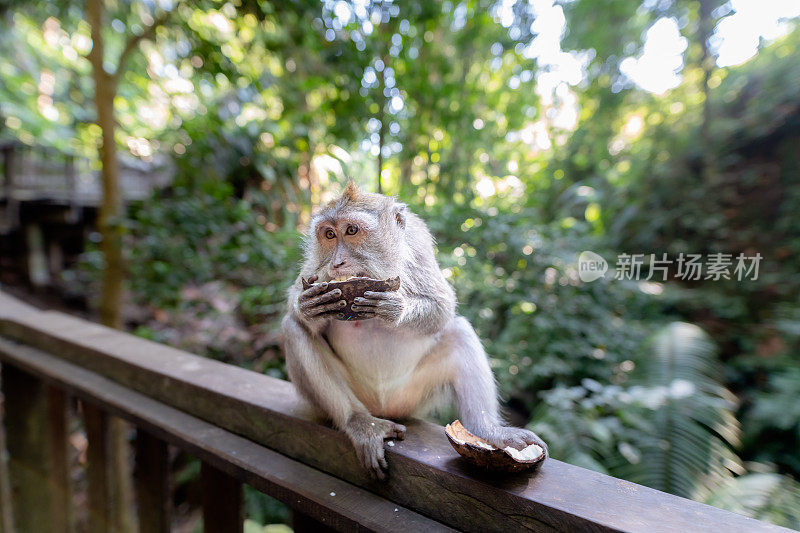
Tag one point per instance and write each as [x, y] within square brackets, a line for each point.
[339, 264]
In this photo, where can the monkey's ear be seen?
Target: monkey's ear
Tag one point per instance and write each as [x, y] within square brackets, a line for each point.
[400, 214]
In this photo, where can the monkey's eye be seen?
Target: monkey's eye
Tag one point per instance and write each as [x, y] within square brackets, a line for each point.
[351, 230]
[330, 234]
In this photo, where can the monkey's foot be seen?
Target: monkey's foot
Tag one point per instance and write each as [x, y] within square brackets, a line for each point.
[367, 433]
[519, 438]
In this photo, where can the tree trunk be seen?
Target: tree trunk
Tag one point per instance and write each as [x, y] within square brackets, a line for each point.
[382, 119]
[109, 218]
[111, 206]
[705, 25]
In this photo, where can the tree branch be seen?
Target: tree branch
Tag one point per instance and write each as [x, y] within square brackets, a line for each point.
[134, 40]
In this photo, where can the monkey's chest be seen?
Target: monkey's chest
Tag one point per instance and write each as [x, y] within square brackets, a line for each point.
[380, 359]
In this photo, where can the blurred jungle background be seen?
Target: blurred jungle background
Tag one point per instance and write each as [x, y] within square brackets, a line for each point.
[170, 153]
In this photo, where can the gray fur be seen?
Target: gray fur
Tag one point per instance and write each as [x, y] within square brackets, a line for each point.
[415, 353]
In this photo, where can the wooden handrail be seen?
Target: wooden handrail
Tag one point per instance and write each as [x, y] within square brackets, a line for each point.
[292, 482]
[426, 476]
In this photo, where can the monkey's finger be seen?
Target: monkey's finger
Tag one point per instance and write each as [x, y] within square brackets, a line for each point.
[515, 442]
[314, 290]
[376, 295]
[366, 302]
[313, 278]
[531, 438]
[371, 463]
[379, 460]
[360, 308]
[382, 457]
[335, 294]
[326, 308]
[398, 431]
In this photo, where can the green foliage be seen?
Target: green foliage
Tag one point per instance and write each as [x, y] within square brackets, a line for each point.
[519, 286]
[686, 449]
[762, 495]
[261, 509]
[773, 420]
[264, 106]
[193, 238]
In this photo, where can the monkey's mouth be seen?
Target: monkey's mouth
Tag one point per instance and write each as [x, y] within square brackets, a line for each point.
[347, 278]
[344, 278]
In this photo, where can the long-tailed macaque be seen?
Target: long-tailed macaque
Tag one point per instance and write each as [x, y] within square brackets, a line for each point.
[415, 354]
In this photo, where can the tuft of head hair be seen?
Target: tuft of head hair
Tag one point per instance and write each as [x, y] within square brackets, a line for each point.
[351, 192]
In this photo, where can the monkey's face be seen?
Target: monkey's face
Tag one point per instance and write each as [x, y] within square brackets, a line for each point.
[354, 243]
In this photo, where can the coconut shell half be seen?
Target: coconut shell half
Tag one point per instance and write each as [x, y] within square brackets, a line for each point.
[480, 453]
[354, 288]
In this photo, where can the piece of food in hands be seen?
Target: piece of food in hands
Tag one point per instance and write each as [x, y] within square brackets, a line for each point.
[355, 287]
[480, 453]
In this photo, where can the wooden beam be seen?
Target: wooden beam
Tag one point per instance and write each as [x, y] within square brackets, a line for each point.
[222, 497]
[6, 525]
[302, 523]
[96, 423]
[324, 498]
[154, 498]
[12, 219]
[60, 476]
[425, 473]
[27, 438]
[107, 471]
[38, 273]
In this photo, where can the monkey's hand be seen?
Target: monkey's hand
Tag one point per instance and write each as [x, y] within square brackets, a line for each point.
[502, 436]
[315, 304]
[387, 305]
[367, 434]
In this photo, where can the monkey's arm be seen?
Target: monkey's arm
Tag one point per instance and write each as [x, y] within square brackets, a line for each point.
[318, 373]
[321, 377]
[427, 314]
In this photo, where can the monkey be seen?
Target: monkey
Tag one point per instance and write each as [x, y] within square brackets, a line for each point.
[412, 354]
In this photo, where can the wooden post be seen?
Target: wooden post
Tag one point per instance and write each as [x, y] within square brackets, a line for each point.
[6, 525]
[60, 479]
[223, 508]
[152, 483]
[73, 215]
[27, 439]
[97, 454]
[38, 274]
[108, 473]
[55, 259]
[12, 205]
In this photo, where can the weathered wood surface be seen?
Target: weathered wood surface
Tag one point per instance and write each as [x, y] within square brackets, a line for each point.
[302, 523]
[60, 479]
[151, 474]
[223, 501]
[326, 499]
[11, 307]
[40, 174]
[96, 423]
[425, 473]
[28, 441]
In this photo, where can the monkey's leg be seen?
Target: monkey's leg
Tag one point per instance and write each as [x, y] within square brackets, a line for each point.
[476, 391]
[321, 378]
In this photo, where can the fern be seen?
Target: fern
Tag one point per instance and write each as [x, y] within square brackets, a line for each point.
[764, 495]
[685, 446]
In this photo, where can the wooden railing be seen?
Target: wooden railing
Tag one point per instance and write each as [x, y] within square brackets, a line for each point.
[254, 429]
